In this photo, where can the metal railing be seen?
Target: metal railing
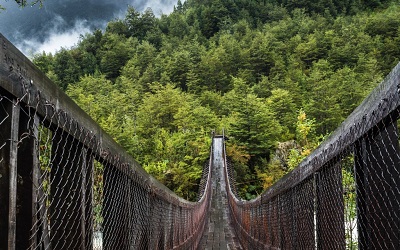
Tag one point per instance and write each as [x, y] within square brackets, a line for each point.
[65, 184]
[345, 195]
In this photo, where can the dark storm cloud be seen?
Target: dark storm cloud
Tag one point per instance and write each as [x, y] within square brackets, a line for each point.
[60, 22]
[33, 22]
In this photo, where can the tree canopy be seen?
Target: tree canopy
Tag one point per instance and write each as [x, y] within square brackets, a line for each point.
[276, 75]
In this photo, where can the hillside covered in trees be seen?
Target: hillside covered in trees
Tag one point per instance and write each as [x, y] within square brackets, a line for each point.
[277, 75]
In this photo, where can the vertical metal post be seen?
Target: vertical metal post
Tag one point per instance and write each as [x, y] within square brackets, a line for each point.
[152, 227]
[261, 234]
[127, 199]
[35, 181]
[40, 227]
[6, 108]
[377, 178]
[180, 229]
[130, 206]
[146, 233]
[28, 157]
[83, 200]
[87, 200]
[12, 215]
[107, 208]
[144, 196]
[330, 208]
[169, 235]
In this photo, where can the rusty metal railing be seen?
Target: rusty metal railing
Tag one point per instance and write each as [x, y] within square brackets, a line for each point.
[65, 184]
[345, 195]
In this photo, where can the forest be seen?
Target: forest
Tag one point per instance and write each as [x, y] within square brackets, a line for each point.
[278, 76]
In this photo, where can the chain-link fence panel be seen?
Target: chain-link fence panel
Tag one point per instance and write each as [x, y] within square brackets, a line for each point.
[65, 184]
[345, 195]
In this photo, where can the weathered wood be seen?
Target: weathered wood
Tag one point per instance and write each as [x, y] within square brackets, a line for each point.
[5, 135]
[35, 182]
[20, 77]
[43, 230]
[62, 218]
[39, 233]
[87, 200]
[40, 236]
[12, 212]
[27, 161]
[83, 200]
[8, 159]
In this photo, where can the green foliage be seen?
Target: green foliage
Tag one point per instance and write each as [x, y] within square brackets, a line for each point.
[66, 68]
[349, 198]
[277, 75]
[44, 61]
[114, 53]
[141, 25]
[271, 174]
[98, 194]
[282, 103]
[305, 138]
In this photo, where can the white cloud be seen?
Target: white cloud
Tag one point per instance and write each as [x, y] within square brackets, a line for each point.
[58, 33]
[55, 38]
[159, 7]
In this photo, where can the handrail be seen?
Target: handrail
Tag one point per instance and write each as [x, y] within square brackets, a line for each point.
[62, 191]
[314, 200]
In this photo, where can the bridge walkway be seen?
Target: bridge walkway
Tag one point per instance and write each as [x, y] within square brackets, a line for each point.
[219, 233]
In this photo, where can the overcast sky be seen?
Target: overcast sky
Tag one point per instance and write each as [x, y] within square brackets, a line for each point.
[60, 22]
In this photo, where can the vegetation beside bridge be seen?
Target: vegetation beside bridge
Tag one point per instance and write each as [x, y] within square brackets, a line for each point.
[277, 76]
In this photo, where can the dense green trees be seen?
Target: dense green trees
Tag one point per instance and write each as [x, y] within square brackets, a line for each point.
[277, 75]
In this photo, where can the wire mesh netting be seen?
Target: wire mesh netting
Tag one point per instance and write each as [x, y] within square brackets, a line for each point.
[345, 195]
[65, 184]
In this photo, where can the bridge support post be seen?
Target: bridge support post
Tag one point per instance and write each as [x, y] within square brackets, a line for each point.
[71, 206]
[377, 177]
[18, 157]
[86, 200]
[9, 123]
[28, 161]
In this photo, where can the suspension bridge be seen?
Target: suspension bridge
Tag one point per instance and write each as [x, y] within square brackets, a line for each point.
[65, 184]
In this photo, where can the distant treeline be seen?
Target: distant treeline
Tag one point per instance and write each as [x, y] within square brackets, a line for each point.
[277, 75]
